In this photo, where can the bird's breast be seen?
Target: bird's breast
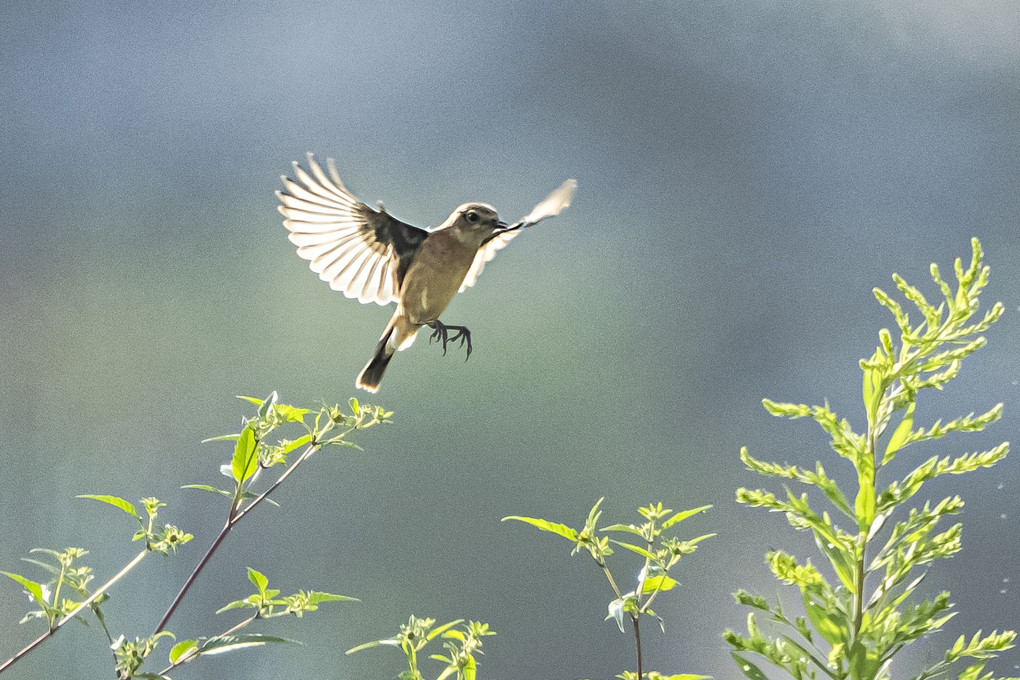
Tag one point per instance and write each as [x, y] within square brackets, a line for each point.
[434, 276]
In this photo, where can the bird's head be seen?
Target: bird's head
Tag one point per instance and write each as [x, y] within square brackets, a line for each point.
[477, 219]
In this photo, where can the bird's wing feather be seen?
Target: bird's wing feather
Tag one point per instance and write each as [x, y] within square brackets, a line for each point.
[362, 252]
[485, 254]
[552, 205]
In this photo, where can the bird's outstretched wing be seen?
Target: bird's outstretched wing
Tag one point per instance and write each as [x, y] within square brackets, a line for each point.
[362, 252]
[552, 205]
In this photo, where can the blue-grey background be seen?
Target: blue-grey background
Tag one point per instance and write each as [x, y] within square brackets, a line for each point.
[748, 171]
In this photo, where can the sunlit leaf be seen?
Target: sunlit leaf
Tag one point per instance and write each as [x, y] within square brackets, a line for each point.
[545, 525]
[244, 462]
[114, 501]
[182, 648]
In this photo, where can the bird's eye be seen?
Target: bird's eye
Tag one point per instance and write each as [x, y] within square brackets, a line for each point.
[471, 216]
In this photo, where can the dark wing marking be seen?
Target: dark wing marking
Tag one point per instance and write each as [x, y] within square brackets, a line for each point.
[362, 252]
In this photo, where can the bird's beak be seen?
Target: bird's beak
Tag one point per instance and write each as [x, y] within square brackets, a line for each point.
[502, 226]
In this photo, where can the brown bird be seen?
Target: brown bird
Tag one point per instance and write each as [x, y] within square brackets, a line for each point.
[369, 255]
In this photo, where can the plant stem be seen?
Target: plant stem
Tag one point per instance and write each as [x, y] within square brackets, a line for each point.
[190, 656]
[77, 610]
[234, 518]
[637, 641]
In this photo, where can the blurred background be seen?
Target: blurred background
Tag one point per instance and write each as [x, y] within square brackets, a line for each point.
[748, 171]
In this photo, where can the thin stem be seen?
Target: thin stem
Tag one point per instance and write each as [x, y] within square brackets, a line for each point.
[635, 618]
[234, 518]
[609, 576]
[197, 650]
[77, 610]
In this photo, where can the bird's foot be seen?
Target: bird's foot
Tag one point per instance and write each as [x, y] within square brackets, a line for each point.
[441, 332]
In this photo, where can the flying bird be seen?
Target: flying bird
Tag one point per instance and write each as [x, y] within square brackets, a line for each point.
[371, 256]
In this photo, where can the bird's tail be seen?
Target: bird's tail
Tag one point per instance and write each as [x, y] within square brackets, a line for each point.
[397, 336]
[372, 373]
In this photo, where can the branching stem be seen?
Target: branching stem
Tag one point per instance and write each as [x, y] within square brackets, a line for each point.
[77, 610]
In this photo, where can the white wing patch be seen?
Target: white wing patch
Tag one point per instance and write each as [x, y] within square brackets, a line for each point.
[484, 255]
[328, 225]
[551, 205]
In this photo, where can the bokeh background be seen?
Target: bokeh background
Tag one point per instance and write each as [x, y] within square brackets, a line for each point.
[748, 171]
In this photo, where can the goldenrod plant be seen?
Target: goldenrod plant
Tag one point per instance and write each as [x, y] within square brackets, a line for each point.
[881, 538]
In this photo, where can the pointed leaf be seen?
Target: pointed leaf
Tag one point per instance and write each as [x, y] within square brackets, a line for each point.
[442, 629]
[34, 589]
[181, 648]
[223, 438]
[747, 668]
[206, 487]
[115, 502]
[634, 548]
[258, 579]
[657, 583]
[681, 516]
[230, 643]
[900, 435]
[629, 528]
[389, 642]
[244, 462]
[545, 525]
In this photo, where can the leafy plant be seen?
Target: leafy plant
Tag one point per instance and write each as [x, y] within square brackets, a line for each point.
[660, 553]
[857, 622]
[256, 448]
[460, 645]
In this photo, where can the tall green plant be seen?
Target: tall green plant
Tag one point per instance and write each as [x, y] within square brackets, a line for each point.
[660, 552]
[858, 621]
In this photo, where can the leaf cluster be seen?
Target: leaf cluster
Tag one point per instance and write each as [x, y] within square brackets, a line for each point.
[257, 447]
[877, 548]
[660, 552]
[461, 646]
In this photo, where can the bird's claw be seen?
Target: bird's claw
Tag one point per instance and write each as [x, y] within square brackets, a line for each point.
[441, 332]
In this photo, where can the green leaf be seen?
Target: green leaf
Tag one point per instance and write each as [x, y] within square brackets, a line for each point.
[43, 565]
[115, 502]
[899, 437]
[865, 505]
[244, 462]
[873, 384]
[34, 589]
[435, 632]
[182, 648]
[206, 487]
[230, 643]
[681, 516]
[252, 400]
[629, 528]
[747, 668]
[269, 403]
[545, 525]
[315, 598]
[258, 579]
[223, 438]
[657, 583]
[291, 414]
[236, 604]
[289, 446]
[389, 642]
[634, 548]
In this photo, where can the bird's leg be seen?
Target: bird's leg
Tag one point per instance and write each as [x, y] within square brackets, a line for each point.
[441, 332]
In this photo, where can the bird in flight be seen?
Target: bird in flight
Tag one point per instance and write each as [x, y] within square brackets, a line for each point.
[369, 255]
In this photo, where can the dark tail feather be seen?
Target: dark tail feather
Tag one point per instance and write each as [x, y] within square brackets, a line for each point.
[372, 373]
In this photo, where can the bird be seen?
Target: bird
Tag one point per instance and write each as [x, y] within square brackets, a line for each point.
[371, 256]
